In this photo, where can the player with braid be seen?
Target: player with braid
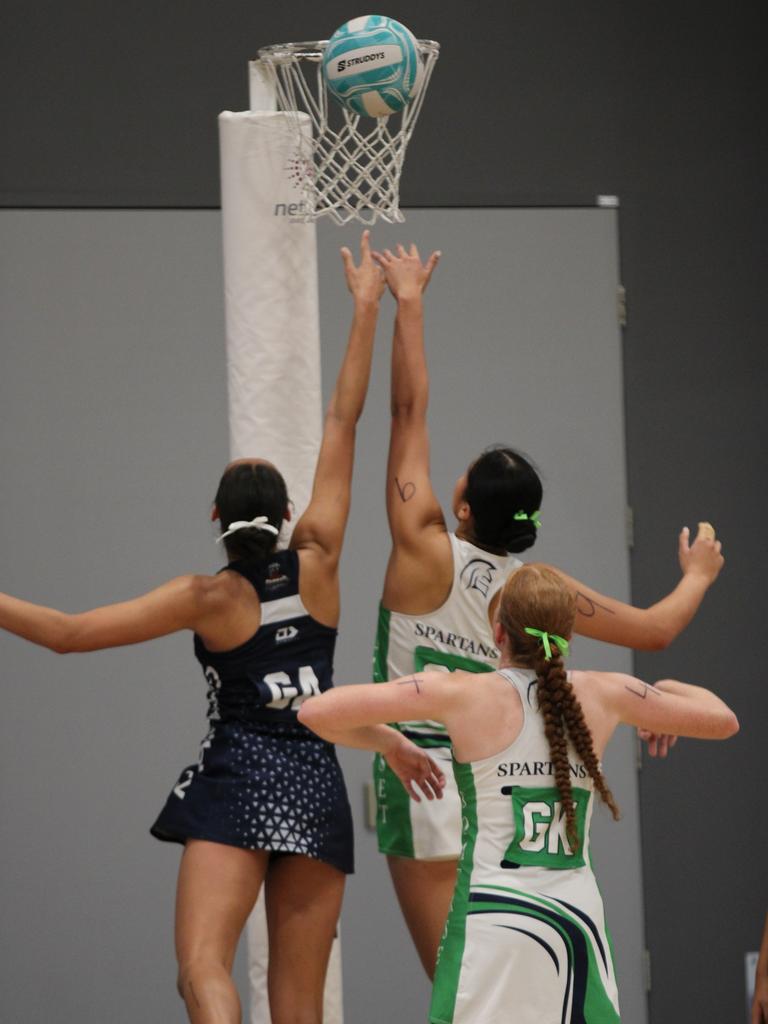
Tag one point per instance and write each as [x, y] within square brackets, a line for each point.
[441, 592]
[526, 937]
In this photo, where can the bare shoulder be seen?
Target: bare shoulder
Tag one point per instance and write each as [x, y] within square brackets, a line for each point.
[212, 593]
[608, 688]
[419, 578]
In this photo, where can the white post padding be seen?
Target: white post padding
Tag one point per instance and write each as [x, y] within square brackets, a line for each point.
[270, 299]
[273, 360]
[261, 88]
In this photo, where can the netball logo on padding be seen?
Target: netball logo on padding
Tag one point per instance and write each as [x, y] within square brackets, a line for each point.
[478, 575]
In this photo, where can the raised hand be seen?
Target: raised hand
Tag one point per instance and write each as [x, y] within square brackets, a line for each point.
[704, 557]
[415, 768]
[366, 280]
[406, 275]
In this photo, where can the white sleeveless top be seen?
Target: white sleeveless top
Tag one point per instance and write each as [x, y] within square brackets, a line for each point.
[457, 635]
[526, 938]
[517, 804]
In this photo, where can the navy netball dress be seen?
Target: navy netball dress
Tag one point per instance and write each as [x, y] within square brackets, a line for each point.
[263, 781]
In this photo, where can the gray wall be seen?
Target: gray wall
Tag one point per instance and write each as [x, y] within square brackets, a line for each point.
[114, 431]
[663, 105]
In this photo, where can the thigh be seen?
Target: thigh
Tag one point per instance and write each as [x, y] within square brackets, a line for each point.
[217, 888]
[428, 830]
[424, 891]
[303, 901]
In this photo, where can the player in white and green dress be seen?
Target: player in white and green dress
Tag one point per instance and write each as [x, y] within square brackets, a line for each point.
[457, 635]
[440, 595]
[526, 939]
[524, 898]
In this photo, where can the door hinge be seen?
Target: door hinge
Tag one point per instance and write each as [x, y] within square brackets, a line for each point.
[647, 969]
[621, 305]
[629, 526]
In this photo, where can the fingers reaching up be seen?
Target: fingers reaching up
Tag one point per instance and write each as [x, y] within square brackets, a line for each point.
[365, 280]
[406, 274]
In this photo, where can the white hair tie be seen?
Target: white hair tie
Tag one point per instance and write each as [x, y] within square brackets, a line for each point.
[259, 523]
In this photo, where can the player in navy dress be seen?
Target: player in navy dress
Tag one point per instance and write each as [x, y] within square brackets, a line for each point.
[265, 802]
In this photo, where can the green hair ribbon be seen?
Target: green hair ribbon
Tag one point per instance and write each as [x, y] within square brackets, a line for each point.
[545, 637]
[532, 518]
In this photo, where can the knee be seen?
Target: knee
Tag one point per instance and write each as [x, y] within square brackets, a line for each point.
[198, 973]
[298, 1015]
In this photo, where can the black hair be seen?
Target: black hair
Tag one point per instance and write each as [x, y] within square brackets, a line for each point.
[501, 483]
[247, 490]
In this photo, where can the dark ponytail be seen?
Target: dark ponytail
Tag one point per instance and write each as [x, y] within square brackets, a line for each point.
[245, 491]
[501, 484]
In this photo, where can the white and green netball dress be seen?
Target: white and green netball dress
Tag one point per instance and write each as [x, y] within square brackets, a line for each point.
[526, 939]
[457, 635]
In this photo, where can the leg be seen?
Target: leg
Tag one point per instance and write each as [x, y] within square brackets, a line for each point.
[303, 899]
[424, 889]
[218, 886]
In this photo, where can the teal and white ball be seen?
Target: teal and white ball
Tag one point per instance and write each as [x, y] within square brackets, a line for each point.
[372, 65]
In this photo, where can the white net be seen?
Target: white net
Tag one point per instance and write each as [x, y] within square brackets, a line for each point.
[350, 168]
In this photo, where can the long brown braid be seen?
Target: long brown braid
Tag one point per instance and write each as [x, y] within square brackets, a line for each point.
[534, 596]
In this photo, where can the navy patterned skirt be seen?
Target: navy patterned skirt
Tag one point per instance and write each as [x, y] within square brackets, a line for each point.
[258, 786]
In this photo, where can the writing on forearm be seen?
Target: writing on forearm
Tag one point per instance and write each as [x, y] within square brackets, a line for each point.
[643, 692]
[588, 607]
[405, 490]
[413, 681]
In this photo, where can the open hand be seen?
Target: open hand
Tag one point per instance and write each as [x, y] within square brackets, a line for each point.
[704, 557]
[414, 767]
[366, 280]
[406, 275]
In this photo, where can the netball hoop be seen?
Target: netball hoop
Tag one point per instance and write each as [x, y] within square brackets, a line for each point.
[350, 168]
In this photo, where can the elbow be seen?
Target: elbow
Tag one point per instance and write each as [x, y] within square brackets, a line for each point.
[657, 636]
[61, 648]
[315, 719]
[408, 410]
[310, 716]
[730, 725]
[65, 638]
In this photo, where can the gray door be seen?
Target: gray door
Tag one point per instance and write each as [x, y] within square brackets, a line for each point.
[524, 347]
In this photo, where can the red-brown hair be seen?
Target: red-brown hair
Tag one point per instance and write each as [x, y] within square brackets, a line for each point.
[535, 596]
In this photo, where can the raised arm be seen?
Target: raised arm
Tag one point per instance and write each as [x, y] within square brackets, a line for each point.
[653, 628]
[188, 602]
[412, 507]
[324, 521]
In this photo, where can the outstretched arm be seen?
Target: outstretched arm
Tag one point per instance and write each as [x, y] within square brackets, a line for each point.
[668, 707]
[187, 602]
[355, 716]
[653, 628]
[323, 523]
[412, 507]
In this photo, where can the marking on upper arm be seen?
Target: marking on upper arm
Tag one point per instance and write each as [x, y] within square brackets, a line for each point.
[408, 682]
[642, 694]
[405, 490]
[587, 606]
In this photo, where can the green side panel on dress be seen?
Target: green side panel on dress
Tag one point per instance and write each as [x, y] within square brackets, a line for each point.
[451, 952]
